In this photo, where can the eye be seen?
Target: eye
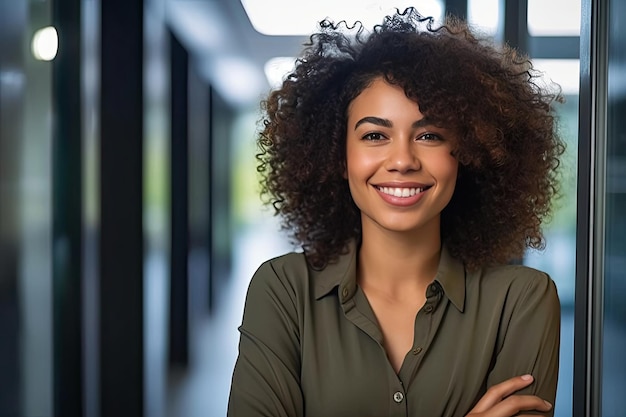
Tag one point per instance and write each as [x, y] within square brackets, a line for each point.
[373, 136]
[430, 137]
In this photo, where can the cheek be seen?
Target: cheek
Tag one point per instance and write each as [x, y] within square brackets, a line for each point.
[360, 167]
[448, 170]
[357, 171]
[449, 163]
[359, 158]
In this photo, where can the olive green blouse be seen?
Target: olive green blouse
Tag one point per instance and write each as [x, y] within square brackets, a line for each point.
[310, 344]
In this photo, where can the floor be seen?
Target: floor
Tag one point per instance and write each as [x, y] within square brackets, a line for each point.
[202, 391]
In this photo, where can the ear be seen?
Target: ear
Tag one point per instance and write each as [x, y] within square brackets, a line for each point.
[344, 172]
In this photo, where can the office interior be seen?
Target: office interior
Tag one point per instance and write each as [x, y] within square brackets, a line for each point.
[130, 218]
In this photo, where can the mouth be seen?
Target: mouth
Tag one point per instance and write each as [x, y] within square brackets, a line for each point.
[402, 192]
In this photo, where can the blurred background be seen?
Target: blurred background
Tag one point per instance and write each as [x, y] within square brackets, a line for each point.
[130, 221]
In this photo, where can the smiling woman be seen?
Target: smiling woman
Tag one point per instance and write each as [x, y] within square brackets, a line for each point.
[400, 168]
[412, 164]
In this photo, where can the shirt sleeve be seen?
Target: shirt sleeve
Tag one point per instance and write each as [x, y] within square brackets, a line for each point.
[266, 378]
[530, 336]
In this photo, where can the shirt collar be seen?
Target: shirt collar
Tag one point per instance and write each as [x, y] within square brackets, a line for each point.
[342, 274]
[451, 276]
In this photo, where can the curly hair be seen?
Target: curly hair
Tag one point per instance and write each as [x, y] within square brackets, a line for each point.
[508, 145]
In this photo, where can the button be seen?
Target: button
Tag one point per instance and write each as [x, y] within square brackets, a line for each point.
[417, 351]
[428, 308]
[398, 397]
[433, 290]
[344, 293]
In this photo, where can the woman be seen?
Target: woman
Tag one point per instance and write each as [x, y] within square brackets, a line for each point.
[414, 165]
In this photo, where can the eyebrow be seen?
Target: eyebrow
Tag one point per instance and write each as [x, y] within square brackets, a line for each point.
[387, 123]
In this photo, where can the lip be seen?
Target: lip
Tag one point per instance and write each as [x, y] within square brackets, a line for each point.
[411, 193]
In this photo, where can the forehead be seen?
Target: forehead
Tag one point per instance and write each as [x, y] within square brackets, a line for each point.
[383, 99]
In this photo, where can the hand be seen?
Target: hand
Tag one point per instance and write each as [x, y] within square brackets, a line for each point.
[498, 401]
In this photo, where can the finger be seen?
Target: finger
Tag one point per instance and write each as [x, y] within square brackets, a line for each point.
[515, 403]
[498, 392]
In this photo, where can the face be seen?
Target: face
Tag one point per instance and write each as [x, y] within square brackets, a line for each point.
[399, 166]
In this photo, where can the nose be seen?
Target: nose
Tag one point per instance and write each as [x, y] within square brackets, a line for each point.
[403, 157]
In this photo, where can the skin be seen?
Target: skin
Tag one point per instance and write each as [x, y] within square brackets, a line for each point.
[391, 146]
[402, 174]
[501, 401]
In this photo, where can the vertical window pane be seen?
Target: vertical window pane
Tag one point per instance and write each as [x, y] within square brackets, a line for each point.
[25, 214]
[559, 257]
[614, 329]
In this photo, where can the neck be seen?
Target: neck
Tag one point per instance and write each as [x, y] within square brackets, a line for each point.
[398, 262]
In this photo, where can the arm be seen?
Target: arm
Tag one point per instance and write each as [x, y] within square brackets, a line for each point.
[502, 400]
[529, 338]
[266, 378]
[528, 346]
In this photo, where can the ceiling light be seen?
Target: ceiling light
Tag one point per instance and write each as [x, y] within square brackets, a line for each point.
[299, 18]
[542, 21]
[236, 79]
[45, 44]
[276, 69]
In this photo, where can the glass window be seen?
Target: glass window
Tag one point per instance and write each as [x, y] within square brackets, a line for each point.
[25, 211]
[554, 17]
[613, 400]
[485, 15]
[559, 257]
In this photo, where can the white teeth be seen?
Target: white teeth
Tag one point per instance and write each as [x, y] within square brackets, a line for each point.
[400, 192]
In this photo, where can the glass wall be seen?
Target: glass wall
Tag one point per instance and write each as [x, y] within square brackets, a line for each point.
[25, 212]
[553, 47]
[613, 401]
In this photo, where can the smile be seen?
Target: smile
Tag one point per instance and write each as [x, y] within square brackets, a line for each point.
[400, 192]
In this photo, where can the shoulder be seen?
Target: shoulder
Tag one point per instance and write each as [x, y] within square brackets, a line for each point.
[516, 275]
[517, 283]
[284, 276]
[287, 266]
